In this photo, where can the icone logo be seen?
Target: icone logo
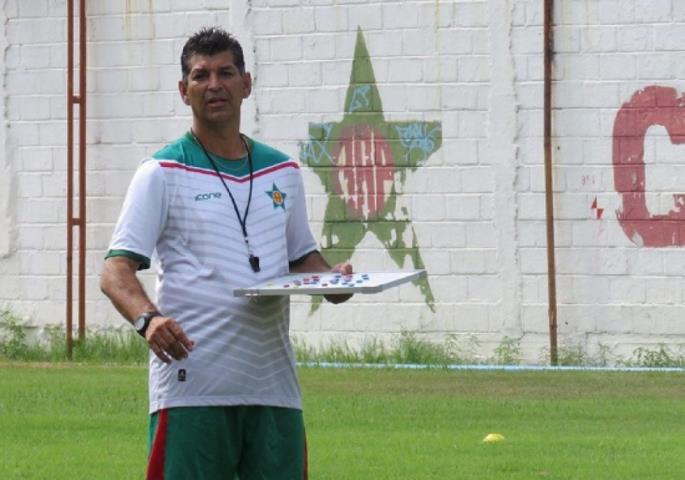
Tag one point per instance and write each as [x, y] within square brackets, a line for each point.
[207, 196]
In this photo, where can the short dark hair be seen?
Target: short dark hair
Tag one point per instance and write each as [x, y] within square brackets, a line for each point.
[210, 41]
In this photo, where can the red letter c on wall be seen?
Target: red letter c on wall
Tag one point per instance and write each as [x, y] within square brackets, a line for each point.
[651, 106]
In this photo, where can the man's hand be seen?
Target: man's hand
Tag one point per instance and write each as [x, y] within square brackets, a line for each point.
[167, 339]
[343, 269]
[164, 335]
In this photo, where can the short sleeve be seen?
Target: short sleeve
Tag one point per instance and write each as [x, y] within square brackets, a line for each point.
[143, 215]
[299, 235]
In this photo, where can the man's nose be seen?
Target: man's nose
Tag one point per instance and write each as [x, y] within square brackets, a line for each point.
[214, 82]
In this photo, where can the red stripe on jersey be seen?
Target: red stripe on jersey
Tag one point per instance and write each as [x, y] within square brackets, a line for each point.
[256, 174]
[306, 462]
[155, 466]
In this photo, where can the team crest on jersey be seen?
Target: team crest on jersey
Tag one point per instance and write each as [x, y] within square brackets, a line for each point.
[277, 196]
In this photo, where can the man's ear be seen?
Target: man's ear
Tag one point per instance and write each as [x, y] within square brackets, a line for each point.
[183, 90]
[247, 84]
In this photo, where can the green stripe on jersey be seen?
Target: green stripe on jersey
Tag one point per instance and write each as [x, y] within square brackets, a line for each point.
[141, 259]
[188, 152]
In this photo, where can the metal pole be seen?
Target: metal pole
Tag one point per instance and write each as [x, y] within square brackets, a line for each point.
[70, 173]
[73, 221]
[549, 184]
[82, 173]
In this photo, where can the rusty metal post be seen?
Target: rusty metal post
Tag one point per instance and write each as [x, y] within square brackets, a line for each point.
[73, 221]
[82, 173]
[549, 183]
[70, 173]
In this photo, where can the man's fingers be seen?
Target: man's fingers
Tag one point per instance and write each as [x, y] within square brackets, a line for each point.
[181, 337]
[166, 337]
[160, 353]
[343, 268]
[171, 345]
[178, 343]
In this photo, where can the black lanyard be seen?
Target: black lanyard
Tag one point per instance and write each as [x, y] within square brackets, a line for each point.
[254, 260]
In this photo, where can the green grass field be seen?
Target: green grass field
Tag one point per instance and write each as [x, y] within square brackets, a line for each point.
[89, 422]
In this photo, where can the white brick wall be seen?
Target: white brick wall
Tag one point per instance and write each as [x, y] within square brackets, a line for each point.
[6, 165]
[476, 205]
[605, 52]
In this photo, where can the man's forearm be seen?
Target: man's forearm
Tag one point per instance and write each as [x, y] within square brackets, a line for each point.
[120, 283]
[314, 262]
[164, 335]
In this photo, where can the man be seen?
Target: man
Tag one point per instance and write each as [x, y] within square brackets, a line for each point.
[221, 211]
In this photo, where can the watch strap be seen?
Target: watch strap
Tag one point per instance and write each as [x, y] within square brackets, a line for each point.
[146, 317]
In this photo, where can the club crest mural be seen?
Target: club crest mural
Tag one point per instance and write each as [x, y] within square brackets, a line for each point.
[363, 162]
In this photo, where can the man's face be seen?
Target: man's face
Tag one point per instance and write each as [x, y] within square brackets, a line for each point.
[215, 88]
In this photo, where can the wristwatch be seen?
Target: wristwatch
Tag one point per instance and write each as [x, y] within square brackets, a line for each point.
[143, 321]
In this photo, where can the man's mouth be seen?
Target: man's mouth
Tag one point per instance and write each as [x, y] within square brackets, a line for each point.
[216, 101]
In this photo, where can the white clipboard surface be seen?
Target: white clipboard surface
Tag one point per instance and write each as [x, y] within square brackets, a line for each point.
[329, 283]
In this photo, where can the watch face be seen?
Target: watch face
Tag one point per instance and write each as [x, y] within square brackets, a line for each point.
[139, 323]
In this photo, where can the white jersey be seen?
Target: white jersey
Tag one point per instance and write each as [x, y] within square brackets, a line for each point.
[177, 206]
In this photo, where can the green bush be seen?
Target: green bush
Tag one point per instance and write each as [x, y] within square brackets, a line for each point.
[659, 358]
[125, 346]
[13, 344]
[508, 352]
[107, 346]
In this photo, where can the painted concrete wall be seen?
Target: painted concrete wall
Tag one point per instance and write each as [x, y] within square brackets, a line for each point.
[419, 127]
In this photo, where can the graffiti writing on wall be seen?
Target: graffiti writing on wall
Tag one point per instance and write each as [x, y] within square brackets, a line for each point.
[363, 161]
[648, 107]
